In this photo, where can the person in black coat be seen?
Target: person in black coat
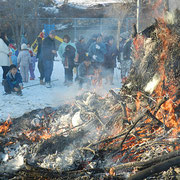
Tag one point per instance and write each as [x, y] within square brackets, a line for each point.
[40, 62]
[47, 54]
[110, 60]
[126, 62]
[69, 56]
[91, 41]
[81, 53]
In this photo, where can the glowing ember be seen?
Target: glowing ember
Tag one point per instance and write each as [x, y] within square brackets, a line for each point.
[4, 128]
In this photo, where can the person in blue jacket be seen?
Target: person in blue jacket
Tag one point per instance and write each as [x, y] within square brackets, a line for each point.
[48, 52]
[97, 52]
[13, 82]
[110, 60]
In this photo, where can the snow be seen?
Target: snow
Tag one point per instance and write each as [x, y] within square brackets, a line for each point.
[62, 26]
[83, 4]
[52, 9]
[40, 97]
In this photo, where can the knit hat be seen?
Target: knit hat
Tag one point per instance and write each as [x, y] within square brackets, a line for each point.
[24, 46]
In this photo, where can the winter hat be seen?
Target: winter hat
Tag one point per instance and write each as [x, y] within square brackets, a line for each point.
[24, 46]
[12, 66]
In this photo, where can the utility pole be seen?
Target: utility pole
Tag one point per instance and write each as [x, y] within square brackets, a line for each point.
[22, 20]
[138, 15]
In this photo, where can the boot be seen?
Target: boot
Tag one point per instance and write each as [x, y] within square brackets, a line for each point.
[41, 82]
[48, 85]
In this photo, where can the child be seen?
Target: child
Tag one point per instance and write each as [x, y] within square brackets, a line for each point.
[32, 64]
[24, 60]
[69, 56]
[14, 54]
[13, 82]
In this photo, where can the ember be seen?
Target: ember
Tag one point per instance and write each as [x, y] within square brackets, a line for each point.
[4, 128]
[131, 133]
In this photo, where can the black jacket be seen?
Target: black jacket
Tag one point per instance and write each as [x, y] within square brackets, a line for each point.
[110, 56]
[127, 50]
[69, 56]
[81, 50]
[48, 45]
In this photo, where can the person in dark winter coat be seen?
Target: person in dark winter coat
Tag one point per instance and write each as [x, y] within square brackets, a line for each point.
[69, 56]
[13, 82]
[126, 62]
[81, 53]
[91, 41]
[48, 53]
[96, 52]
[40, 61]
[61, 51]
[110, 60]
[85, 72]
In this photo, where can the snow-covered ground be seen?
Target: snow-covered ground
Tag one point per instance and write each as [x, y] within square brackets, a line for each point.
[40, 97]
[83, 4]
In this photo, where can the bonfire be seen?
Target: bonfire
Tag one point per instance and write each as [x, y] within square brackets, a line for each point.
[132, 133]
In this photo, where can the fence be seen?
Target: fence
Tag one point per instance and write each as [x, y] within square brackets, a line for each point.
[75, 26]
[86, 26]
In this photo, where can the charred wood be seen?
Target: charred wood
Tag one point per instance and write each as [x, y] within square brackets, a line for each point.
[162, 166]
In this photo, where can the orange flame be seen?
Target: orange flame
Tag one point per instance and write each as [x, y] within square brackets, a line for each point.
[4, 128]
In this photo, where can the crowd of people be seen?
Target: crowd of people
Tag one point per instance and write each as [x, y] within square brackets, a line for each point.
[93, 60]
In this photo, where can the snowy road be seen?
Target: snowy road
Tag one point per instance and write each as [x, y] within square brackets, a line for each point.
[39, 96]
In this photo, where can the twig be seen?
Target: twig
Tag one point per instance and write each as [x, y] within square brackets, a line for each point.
[157, 120]
[137, 119]
[87, 149]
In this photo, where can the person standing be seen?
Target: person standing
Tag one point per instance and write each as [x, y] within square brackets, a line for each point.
[40, 61]
[61, 51]
[91, 41]
[126, 62]
[4, 55]
[33, 63]
[48, 53]
[69, 56]
[96, 52]
[24, 39]
[81, 53]
[110, 60]
[23, 61]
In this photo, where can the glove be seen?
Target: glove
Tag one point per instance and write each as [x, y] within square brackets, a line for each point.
[94, 57]
[97, 46]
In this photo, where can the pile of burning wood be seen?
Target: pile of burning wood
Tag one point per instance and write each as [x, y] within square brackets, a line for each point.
[133, 133]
